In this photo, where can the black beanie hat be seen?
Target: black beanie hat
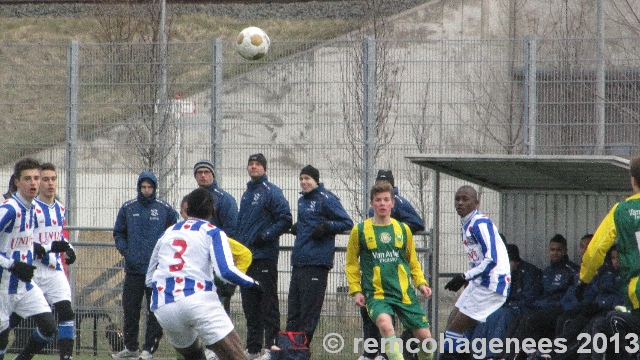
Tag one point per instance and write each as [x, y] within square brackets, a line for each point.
[202, 164]
[311, 171]
[259, 158]
[385, 175]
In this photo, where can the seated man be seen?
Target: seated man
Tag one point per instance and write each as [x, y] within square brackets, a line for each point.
[601, 296]
[557, 278]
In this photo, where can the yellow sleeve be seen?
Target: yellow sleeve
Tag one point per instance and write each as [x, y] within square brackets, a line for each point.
[602, 240]
[241, 255]
[352, 267]
[417, 276]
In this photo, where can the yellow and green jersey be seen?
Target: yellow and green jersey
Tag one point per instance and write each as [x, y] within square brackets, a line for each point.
[381, 260]
[622, 222]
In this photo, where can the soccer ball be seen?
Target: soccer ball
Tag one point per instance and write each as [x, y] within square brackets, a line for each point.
[252, 43]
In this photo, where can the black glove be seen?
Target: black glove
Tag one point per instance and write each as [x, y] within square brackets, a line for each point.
[22, 270]
[579, 290]
[294, 229]
[38, 250]
[591, 309]
[456, 283]
[321, 231]
[226, 290]
[70, 256]
[257, 290]
[60, 246]
[259, 241]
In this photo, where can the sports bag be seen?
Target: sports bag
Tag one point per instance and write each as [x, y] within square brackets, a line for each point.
[294, 345]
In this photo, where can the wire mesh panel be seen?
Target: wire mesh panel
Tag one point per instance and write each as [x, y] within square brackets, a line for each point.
[348, 107]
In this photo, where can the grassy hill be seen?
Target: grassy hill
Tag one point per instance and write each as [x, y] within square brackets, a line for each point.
[33, 55]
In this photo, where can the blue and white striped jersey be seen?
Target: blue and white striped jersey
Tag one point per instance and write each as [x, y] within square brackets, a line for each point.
[50, 220]
[185, 258]
[487, 253]
[17, 221]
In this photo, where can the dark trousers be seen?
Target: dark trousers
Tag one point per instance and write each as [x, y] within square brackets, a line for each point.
[306, 296]
[263, 321]
[370, 331]
[536, 325]
[133, 291]
[569, 326]
[616, 322]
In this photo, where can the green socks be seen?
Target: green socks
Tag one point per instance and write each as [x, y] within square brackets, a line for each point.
[392, 348]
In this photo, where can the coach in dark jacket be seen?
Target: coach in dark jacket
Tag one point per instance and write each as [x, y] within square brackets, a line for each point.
[139, 225]
[225, 214]
[320, 217]
[264, 215]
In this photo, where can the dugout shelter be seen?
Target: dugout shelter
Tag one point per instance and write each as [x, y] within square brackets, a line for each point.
[539, 195]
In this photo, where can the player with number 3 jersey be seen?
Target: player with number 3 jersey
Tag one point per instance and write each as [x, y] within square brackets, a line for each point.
[180, 274]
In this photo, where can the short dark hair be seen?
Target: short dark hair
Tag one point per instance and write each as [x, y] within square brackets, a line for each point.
[24, 164]
[586, 236]
[514, 252]
[634, 169]
[12, 187]
[200, 204]
[557, 238]
[380, 188]
[48, 166]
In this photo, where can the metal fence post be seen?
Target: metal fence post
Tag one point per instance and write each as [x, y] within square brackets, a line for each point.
[216, 103]
[530, 94]
[73, 85]
[600, 85]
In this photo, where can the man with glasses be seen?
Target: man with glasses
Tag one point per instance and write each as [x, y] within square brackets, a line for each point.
[225, 215]
[225, 212]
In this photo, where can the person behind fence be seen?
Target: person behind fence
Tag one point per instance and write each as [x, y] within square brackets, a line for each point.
[621, 225]
[264, 215]
[404, 212]
[18, 293]
[50, 248]
[180, 274]
[320, 217]
[225, 216]
[489, 278]
[557, 278]
[139, 224]
[11, 188]
[526, 287]
[381, 263]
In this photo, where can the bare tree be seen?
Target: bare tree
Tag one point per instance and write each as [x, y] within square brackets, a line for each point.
[387, 92]
[137, 68]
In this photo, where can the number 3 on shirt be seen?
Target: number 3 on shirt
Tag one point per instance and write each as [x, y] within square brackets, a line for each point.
[182, 244]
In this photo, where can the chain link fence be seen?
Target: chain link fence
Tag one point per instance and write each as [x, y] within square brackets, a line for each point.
[105, 112]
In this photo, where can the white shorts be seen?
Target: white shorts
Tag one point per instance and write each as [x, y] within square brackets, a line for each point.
[54, 285]
[478, 302]
[200, 314]
[25, 304]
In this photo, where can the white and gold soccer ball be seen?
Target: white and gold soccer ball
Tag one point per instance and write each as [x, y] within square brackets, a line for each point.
[252, 43]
